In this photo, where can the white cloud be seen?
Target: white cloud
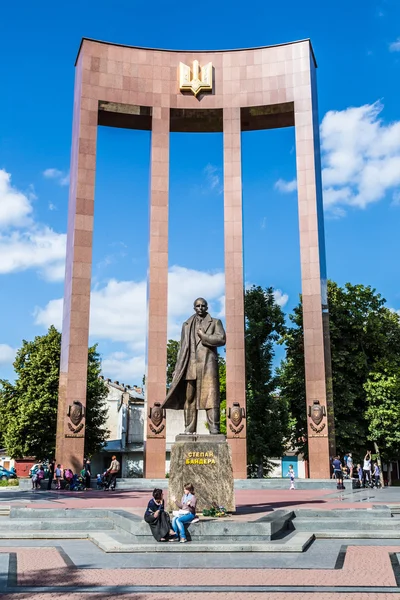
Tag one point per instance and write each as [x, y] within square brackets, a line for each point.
[360, 155]
[395, 46]
[7, 354]
[286, 187]
[280, 298]
[118, 314]
[15, 206]
[121, 366]
[25, 243]
[396, 199]
[360, 158]
[39, 248]
[59, 176]
[213, 178]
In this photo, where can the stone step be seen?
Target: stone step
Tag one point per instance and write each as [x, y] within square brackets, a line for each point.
[55, 524]
[212, 530]
[107, 543]
[346, 513]
[58, 513]
[355, 535]
[43, 535]
[342, 524]
[4, 510]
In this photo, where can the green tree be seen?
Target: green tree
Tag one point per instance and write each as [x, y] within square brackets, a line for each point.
[383, 412]
[222, 391]
[363, 334]
[267, 412]
[172, 357]
[28, 407]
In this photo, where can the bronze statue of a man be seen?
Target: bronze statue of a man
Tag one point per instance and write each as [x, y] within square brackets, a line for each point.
[195, 385]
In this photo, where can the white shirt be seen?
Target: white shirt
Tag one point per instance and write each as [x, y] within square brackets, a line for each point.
[367, 465]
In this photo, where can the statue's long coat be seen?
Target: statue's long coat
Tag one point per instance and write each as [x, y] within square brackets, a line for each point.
[207, 380]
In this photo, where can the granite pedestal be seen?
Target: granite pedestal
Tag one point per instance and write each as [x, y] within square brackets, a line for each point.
[206, 462]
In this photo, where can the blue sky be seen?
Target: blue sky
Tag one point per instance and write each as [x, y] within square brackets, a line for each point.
[357, 46]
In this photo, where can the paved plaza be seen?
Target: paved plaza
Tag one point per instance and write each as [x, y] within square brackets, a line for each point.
[358, 569]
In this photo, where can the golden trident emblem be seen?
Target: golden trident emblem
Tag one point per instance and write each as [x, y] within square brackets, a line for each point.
[192, 81]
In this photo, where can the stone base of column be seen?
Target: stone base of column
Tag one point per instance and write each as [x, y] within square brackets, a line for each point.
[318, 452]
[238, 448]
[154, 467]
[207, 464]
[72, 454]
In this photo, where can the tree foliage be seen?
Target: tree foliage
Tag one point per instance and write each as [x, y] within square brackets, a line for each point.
[28, 407]
[364, 334]
[267, 412]
[172, 357]
[383, 410]
[222, 391]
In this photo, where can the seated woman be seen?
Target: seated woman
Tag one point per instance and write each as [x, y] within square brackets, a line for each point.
[186, 512]
[157, 518]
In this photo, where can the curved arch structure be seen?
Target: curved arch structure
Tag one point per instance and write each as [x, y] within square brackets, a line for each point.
[165, 91]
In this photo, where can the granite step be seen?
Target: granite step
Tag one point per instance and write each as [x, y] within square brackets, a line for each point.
[44, 535]
[58, 513]
[356, 535]
[346, 513]
[110, 544]
[59, 524]
[344, 524]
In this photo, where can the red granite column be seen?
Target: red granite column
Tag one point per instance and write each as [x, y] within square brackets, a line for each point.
[75, 328]
[157, 292]
[233, 232]
[313, 269]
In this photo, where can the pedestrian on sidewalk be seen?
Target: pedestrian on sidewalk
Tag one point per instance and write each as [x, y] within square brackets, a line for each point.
[337, 467]
[112, 472]
[360, 475]
[88, 473]
[58, 473]
[350, 465]
[52, 467]
[291, 474]
[40, 477]
[367, 468]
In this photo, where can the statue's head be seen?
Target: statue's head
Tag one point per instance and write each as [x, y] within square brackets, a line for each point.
[200, 307]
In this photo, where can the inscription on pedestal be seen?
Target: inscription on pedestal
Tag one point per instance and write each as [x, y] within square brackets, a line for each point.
[207, 464]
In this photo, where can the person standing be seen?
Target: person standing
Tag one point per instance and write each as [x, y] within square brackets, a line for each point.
[58, 473]
[52, 467]
[113, 472]
[367, 468]
[350, 465]
[291, 474]
[337, 469]
[40, 477]
[360, 475]
[88, 473]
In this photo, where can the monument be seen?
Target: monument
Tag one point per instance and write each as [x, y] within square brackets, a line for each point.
[182, 91]
[205, 460]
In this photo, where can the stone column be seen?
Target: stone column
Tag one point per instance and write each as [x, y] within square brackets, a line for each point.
[75, 328]
[234, 290]
[157, 293]
[318, 373]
